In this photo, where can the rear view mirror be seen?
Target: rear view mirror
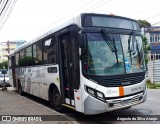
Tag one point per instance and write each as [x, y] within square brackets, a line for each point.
[82, 43]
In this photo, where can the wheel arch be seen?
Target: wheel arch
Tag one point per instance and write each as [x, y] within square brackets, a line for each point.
[51, 87]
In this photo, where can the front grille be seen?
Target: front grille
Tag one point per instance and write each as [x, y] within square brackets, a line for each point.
[122, 81]
[120, 103]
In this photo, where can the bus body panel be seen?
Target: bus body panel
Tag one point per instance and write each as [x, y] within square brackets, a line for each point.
[78, 100]
[36, 80]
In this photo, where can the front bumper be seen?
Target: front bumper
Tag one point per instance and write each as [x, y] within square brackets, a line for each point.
[94, 106]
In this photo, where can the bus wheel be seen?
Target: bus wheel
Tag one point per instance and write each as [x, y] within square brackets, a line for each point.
[56, 100]
[20, 89]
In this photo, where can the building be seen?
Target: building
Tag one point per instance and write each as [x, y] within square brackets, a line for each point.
[7, 47]
[153, 37]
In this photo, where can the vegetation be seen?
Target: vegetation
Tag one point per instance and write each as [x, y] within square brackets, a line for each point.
[144, 23]
[4, 65]
[146, 47]
[152, 85]
[29, 61]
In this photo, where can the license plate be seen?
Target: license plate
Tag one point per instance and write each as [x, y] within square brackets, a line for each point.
[126, 101]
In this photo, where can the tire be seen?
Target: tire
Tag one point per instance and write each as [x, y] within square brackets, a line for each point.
[20, 89]
[56, 100]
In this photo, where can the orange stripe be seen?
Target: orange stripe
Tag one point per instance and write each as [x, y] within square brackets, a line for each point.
[121, 91]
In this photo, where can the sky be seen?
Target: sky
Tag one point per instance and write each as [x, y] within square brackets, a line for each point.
[31, 18]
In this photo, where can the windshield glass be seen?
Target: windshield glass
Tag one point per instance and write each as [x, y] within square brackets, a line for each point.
[133, 53]
[101, 59]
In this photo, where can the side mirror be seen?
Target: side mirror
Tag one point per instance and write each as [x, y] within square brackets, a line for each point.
[82, 43]
[4, 71]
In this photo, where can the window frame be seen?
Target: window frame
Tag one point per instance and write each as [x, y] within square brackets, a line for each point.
[54, 49]
[31, 54]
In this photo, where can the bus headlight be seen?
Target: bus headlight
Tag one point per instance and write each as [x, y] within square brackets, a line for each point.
[90, 91]
[96, 94]
[100, 95]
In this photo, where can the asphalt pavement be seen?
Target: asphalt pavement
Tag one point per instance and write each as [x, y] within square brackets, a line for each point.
[29, 107]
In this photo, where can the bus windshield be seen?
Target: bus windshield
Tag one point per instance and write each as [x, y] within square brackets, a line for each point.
[113, 54]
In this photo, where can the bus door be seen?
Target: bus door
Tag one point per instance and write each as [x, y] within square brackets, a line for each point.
[65, 67]
[69, 66]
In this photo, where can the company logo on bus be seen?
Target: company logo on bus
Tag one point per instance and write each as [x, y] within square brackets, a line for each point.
[126, 83]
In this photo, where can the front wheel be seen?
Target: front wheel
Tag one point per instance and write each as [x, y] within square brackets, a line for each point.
[56, 100]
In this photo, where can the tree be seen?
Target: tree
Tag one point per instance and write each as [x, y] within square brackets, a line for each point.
[144, 23]
[146, 48]
[4, 64]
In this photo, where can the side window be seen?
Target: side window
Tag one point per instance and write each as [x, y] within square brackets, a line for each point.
[37, 53]
[49, 51]
[22, 58]
[29, 56]
[17, 59]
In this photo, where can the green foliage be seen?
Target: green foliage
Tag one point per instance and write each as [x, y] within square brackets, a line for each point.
[152, 85]
[146, 47]
[4, 64]
[148, 81]
[146, 60]
[144, 23]
[144, 39]
[29, 60]
[22, 62]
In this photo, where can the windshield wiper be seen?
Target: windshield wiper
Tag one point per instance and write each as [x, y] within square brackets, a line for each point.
[110, 42]
[139, 57]
[111, 67]
[129, 48]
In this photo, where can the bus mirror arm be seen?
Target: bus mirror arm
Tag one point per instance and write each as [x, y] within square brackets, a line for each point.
[82, 43]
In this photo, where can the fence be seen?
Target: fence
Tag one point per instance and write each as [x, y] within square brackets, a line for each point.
[153, 73]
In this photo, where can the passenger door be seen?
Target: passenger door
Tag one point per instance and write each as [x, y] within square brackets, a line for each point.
[66, 67]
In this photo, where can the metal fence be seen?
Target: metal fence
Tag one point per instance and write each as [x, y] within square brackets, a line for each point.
[153, 73]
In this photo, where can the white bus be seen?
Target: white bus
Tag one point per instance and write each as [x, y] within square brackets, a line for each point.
[93, 64]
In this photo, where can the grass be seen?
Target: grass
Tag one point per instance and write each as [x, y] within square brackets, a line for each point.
[153, 85]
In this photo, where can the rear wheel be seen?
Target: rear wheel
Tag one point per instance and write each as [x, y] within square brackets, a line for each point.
[56, 100]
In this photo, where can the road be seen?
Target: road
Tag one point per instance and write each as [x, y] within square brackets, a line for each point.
[11, 103]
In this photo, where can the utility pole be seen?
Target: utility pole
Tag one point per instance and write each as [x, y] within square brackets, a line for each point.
[8, 47]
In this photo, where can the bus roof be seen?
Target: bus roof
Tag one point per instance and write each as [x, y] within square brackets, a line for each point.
[57, 26]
